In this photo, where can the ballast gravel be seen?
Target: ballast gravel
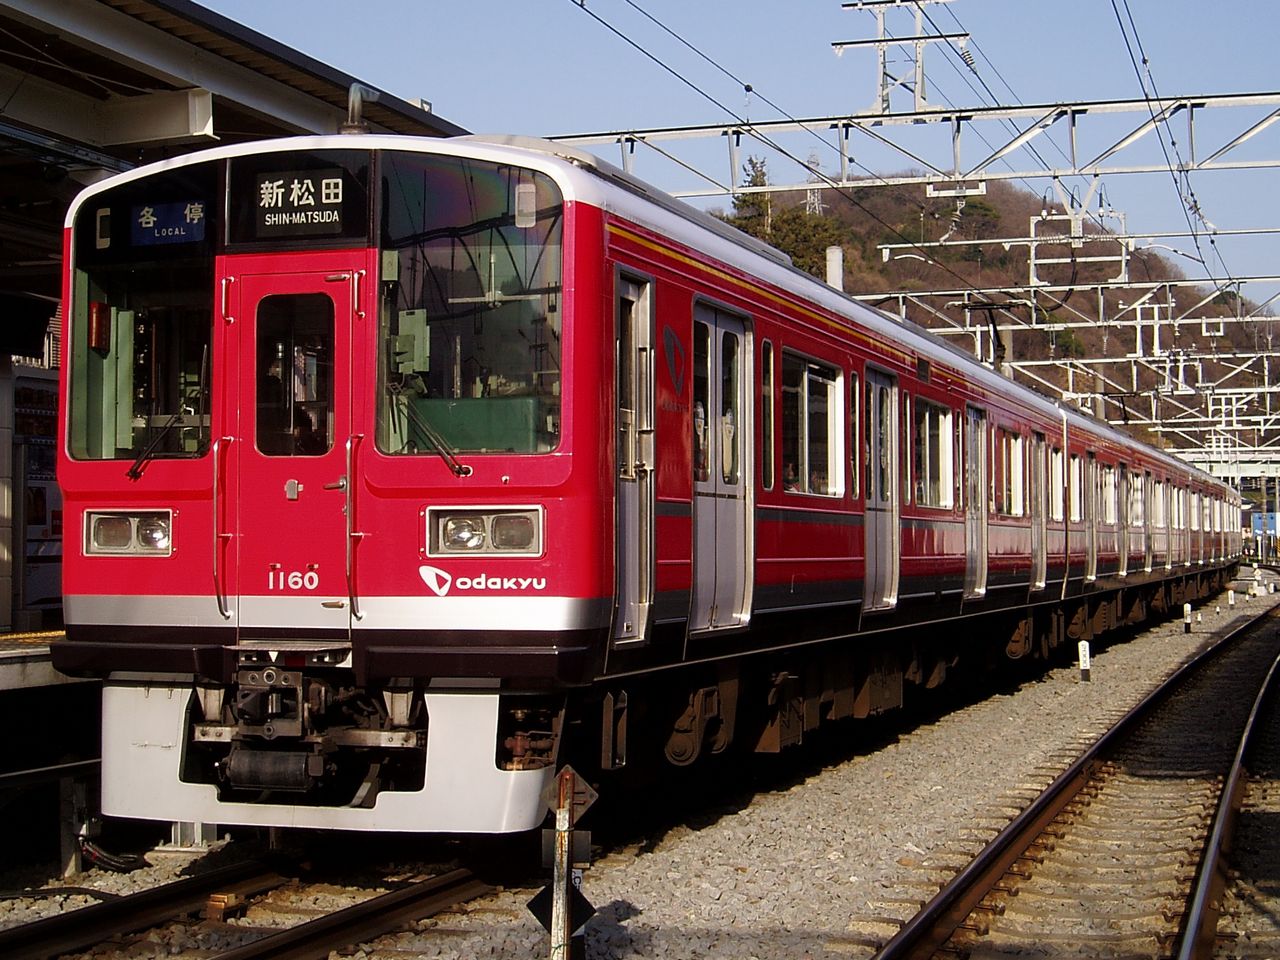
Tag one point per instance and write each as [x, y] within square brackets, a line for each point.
[827, 866]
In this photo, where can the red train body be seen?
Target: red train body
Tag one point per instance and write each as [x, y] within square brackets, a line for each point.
[395, 470]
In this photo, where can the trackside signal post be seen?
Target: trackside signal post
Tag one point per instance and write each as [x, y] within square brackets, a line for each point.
[561, 907]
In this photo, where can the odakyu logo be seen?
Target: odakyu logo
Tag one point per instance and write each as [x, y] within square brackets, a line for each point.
[440, 582]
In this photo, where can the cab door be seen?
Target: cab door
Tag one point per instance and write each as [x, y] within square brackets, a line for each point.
[286, 469]
[723, 541]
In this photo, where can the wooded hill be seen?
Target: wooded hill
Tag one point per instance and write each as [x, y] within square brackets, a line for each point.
[859, 220]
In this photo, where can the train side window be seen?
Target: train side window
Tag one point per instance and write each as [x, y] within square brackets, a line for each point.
[812, 440]
[855, 408]
[933, 454]
[868, 409]
[766, 415]
[1076, 489]
[1110, 499]
[730, 415]
[701, 401]
[905, 447]
[1057, 485]
[1010, 466]
[1017, 475]
[1138, 511]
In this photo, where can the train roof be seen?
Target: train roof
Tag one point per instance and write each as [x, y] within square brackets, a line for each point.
[587, 178]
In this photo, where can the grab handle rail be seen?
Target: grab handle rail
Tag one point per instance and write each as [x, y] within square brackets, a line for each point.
[353, 535]
[218, 534]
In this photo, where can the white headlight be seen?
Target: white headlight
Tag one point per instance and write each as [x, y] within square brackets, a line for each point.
[464, 533]
[121, 533]
[509, 531]
[153, 533]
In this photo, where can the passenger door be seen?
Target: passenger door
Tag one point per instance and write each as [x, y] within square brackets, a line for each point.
[722, 539]
[1092, 489]
[633, 358]
[1039, 518]
[286, 470]
[975, 504]
[881, 520]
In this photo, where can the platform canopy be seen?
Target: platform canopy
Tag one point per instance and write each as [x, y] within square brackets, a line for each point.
[89, 87]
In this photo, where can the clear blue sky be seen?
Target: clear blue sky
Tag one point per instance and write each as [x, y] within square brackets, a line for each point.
[546, 67]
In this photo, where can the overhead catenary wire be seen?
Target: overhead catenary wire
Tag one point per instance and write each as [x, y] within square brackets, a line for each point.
[760, 135]
[1188, 200]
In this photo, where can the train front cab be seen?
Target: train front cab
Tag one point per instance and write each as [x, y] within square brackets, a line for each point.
[320, 479]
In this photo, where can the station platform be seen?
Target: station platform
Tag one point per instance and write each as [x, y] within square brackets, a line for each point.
[25, 661]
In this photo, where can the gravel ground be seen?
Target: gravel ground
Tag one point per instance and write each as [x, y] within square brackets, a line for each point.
[822, 866]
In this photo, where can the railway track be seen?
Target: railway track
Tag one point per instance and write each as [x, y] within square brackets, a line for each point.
[124, 917]
[1105, 860]
[78, 929]
[1236, 908]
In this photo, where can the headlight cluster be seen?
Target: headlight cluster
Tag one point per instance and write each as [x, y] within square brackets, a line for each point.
[493, 531]
[131, 534]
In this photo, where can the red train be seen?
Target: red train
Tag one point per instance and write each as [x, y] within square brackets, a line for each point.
[398, 470]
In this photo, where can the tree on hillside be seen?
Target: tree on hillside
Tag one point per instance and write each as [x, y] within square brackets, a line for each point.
[804, 237]
[753, 212]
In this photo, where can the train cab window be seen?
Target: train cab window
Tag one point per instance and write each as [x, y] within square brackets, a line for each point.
[811, 434]
[141, 319]
[470, 315]
[295, 375]
[932, 454]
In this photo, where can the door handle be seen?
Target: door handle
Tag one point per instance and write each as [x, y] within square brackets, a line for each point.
[339, 484]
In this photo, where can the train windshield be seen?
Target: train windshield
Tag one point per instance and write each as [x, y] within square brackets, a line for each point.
[469, 352]
[140, 336]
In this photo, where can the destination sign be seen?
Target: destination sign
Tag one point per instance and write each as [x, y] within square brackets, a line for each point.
[181, 222]
[295, 203]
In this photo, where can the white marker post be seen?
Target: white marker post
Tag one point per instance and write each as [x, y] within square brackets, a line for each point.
[1186, 618]
[1231, 598]
[1083, 649]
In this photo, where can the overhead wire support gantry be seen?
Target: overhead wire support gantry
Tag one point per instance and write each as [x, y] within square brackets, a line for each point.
[1034, 122]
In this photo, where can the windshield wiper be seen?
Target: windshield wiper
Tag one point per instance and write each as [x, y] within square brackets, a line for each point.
[440, 444]
[135, 471]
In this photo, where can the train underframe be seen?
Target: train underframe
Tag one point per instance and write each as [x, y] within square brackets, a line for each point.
[296, 741]
[768, 704]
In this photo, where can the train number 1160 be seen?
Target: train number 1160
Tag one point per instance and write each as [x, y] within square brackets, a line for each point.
[292, 580]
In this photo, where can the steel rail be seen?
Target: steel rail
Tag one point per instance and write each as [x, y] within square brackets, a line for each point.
[59, 771]
[1200, 928]
[928, 930]
[315, 939]
[79, 929]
